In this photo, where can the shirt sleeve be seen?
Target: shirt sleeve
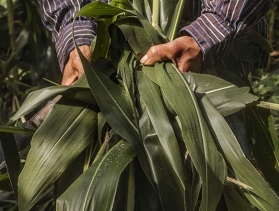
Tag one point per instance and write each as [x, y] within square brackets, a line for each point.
[223, 23]
[58, 16]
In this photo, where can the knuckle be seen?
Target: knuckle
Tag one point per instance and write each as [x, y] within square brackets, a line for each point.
[153, 50]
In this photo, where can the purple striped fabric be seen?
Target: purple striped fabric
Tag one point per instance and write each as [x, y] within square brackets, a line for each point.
[217, 26]
[57, 16]
[224, 23]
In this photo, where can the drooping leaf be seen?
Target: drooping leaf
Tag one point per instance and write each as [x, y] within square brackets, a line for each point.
[116, 106]
[261, 195]
[79, 91]
[265, 147]
[135, 35]
[226, 97]
[198, 140]
[16, 129]
[161, 146]
[96, 188]
[53, 148]
[234, 201]
[195, 188]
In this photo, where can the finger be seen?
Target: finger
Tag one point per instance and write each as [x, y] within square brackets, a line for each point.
[158, 53]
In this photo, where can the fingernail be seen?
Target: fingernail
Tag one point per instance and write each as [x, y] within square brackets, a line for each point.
[144, 59]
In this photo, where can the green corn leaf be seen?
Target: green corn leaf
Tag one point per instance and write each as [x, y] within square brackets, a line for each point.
[53, 147]
[265, 147]
[135, 35]
[144, 8]
[199, 143]
[79, 91]
[161, 146]
[235, 201]
[261, 195]
[171, 27]
[226, 97]
[96, 188]
[195, 189]
[156, 36]
[16, 129]
[100, 9]
[115, 105]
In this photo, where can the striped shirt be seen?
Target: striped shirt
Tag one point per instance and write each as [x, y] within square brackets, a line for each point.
[216, 25]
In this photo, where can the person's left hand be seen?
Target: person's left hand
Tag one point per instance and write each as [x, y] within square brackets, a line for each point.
[184, 52]
[73, 68]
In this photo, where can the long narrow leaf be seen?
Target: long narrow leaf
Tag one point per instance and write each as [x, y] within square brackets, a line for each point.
[135, 35]
[226, 97]
[161, 146]
[116, 106]
[79, 91]
[234, 201]
[16, 129]
[261, 195]
[171, 28]
[260, 128]
[144, 8]
[53, 147]
[96, 188]
[198, 140]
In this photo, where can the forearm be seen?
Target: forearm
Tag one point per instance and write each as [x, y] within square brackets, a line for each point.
[58, 16]
[223, 23]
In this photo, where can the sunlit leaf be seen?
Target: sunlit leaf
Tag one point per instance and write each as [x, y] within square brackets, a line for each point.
[161, 146]
[116, 106]
[226, 97]
[53, 147]
[198, 140]
[79, 91]
[96, 188]
[261, 195]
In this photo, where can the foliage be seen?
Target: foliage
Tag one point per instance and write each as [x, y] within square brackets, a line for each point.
[26, 55]
[130, 137]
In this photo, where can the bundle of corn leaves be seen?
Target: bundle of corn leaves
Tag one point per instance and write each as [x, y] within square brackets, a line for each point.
[132, 137]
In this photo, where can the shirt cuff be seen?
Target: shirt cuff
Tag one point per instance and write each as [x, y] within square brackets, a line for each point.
[213, 36]
[84, 31]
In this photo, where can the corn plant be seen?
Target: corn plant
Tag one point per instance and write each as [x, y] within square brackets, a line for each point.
[132, 137]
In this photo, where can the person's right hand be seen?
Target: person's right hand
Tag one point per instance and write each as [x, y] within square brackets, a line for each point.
[184, 52]
[73, 68]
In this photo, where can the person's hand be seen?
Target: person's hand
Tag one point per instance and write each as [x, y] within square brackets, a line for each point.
[73, 68]
[184, 52]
